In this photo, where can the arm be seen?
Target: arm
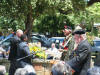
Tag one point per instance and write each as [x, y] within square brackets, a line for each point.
[26, 50]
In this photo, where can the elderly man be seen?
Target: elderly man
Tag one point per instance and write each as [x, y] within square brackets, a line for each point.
[61, 68]
[13, 51]
[27, 70]
[81, 56]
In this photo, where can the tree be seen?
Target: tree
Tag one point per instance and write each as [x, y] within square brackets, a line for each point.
[26, 11]
[52, 24]
[29, 10]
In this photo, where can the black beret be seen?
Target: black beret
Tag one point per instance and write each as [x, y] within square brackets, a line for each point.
[80, 31]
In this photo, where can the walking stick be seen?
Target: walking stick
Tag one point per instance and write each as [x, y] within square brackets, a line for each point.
[33, 53]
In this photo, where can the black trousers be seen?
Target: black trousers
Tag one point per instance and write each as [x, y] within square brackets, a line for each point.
[13, 67]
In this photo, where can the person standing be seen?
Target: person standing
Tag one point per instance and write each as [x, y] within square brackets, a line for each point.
[68, 43]
[24, 56]
[23, 51]
[13, 51]
[80, 57]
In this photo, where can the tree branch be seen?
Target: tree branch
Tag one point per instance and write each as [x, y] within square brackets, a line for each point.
[65, 12]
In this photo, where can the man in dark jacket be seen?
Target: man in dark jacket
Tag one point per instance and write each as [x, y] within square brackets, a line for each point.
[13, 51]
[23, 51]
[24, 56]
[81, 56]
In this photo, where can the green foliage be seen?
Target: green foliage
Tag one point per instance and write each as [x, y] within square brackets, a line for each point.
[53, 24]
[6, 23]
[18, 10]
[78, 5]
[47, 15]
[94, 11]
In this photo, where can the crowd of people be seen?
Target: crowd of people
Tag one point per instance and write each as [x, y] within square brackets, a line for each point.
[75, 59]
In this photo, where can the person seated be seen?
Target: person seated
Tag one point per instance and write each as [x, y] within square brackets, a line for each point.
[61, 68]
[53, 52]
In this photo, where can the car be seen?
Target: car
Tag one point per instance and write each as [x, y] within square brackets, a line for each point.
[96, 45]
[96, 51]
[57, 40]
[45, 42]
[5, 43]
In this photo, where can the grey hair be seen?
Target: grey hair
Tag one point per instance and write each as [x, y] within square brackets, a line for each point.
[27, 70]
[21, 71]
[19, 31]
[61, 68]
[94, 71]
[2, 70]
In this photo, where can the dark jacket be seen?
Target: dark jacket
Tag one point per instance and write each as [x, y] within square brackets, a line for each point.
[23, 50]
[13, 48]
[80, 58]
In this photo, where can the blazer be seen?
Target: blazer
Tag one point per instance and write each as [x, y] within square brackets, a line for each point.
[13, 48]
[23, 51]
[80, 58]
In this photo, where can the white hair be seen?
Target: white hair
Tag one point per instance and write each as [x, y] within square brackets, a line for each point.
[19, 32]
[2, 70]
[27, 70]
[30, 69]
[21, 71]
[61, 68]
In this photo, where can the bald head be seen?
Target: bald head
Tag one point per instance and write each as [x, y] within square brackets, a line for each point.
[19, 32]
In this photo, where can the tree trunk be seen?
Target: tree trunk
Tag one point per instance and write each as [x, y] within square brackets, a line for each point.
[92, 22]
[29, 23]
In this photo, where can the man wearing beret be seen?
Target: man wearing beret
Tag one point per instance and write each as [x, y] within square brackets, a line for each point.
[81, 56]
[67, 44]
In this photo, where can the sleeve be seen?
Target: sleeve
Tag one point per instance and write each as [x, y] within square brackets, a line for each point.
[81, 55]
[26, 50]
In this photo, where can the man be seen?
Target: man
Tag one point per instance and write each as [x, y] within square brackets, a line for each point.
[68, 43]
[24, 56]
[53, 52]
[13, 51]
[81, 56]
[61, 68]
[23, 51]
